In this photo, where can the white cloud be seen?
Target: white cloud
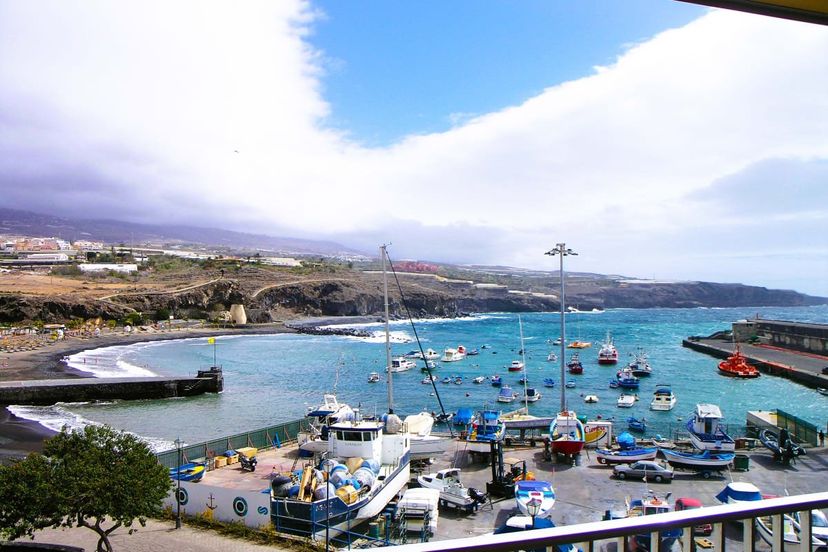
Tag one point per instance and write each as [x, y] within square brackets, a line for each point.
[145, 104]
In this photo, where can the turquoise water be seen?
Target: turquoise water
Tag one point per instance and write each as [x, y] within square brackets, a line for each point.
[274, 378]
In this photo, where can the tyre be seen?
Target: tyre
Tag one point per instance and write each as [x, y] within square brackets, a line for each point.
[602, 461]
[706, 475]
[622, 475]
[658, 478]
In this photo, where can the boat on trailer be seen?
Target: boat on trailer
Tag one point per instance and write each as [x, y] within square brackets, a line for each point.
[707, 431]
[704, 462]
[452, 492]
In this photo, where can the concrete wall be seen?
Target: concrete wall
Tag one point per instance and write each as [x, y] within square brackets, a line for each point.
[249, 507]
[811, 338]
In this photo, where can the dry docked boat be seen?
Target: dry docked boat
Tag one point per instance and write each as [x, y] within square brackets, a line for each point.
[706, 430]
[736, 365]
[486, 428]
[567, 434]
[540, 491]
[705, 461]
[452, 491]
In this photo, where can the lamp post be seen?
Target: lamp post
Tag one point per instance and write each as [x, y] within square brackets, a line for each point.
[533, 507]
[563, 251]
[178, 443]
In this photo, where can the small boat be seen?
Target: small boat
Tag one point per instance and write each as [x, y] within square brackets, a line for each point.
[496, 381]
[431, 354]
[626, 401]
[444, 417]
[782, 446]
[557, 342]
[447, 379]
[452, 355]
[551, 357]
[790, 532]
[516, 366]
[521, 419]
[188, 472]
[523, 380]
[608, 353]
[373, 377]
[579, 345]
[541, 491]
[548, 382]
[574, 365]
[626, 379]
[640, 365]
[570, 385]
[567, 434]
[636, 425]
[402, 364]
[625, 456]
[705, 460]
[452, 491]
[479, 379]
[314, 439]
[663, 398]
[464, 416]
[646, 506]
[429, 365]
[458, 380]
[506, 395]
[486, 428]
[614, 384]
[428, 379]
[461, 350]
[473, 352]
[531, 395]
[822, 391]
[707, 431]
[736, 365]
[591, 399]
[516, 524]
[738, 492]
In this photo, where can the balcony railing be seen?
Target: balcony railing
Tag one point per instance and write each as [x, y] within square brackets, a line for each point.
[614, 535]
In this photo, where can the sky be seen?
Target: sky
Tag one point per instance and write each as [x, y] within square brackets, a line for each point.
[658, 139]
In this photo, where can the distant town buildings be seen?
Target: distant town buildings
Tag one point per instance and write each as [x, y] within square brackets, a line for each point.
[124, 268]
[416, 266]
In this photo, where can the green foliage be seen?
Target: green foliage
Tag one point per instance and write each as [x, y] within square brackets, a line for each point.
[134, 319]
[162, 314]
[66, 270]
[86, 478]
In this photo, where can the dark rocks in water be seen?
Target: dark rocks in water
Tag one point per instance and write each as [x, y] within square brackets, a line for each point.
[327, 330]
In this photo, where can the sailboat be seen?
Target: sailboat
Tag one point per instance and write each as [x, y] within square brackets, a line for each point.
[566, 431]
[520, 418]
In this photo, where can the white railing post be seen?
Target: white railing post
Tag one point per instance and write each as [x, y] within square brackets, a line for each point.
[748, 534]
[717, 536]
[620, 544]
[805, 531]
[778, 537]
[687, 539]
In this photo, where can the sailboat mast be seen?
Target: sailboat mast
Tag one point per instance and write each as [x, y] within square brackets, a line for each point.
[525, 371]
[390, 385]
[562, 248]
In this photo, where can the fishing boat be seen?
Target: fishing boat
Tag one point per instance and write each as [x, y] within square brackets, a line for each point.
[428, 379]
[591, 399]
[321, 509]
[486, 428]
[452, 491]
[452, 355]
[663, 398]
[567, 434]
[626, 401]
[540, 491]
[506, 395]
[479, 379]
[646, 506]
[706, 430]
[640, 365]
[521, 419]
[619, 456]
[634, 424]
[373, 377]
[781, 445]
[315, 438]
[496, 381]
[736, 366]
[626, 379]
[401, 364]
[516, 366]
[574, 365]
[699, 461]
[192, 471]
[548, 382]
[531, 395]
[423, 444]
[608, 354]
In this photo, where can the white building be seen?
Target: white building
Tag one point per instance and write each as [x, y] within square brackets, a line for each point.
[115, 267]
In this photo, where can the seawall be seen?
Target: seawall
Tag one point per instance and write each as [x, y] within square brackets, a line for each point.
[48, 392]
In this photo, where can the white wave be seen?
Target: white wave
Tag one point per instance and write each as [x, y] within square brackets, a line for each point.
[406, 322]
[378, 336]
[107, 362]
[57, 417]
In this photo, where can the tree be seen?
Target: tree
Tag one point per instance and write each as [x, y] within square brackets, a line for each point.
[88, 478]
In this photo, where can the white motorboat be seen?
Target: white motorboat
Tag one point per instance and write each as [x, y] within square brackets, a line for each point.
[663, 398]
[538, 491]
[401, 364]
[707, 431]
[551, 357]
[591, 399]
[452, 355]
[452, 491]
[373, 377]
[516, 366]
[428, 379]
[330, 411]
[479, 379]
[506, 395]
[423, 443]
[531, 395]
[626, 401]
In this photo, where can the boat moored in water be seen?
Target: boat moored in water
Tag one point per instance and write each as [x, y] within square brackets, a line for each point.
[737, 366]
[373, 377]
[626, 401]
[506, 395]
[452, 355]
[608, 353]
[663, 398]
[516, 366]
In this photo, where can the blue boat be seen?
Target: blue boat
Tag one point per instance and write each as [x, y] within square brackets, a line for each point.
[496, 381]
[699, 461]
[488, 427]
[188, 472]
[463, 416]
[527, 523]
[636, 425]
[626, 380]
[651, 505]
[628, 451]
[548, 382]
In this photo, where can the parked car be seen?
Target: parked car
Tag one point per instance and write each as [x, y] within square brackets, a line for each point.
[686, 503]
[825, 371]
[643, 469]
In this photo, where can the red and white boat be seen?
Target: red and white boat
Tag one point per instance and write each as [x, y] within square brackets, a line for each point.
[516, 366]
[737, 366]
[608, 353]
[574, 365]
[567, 434]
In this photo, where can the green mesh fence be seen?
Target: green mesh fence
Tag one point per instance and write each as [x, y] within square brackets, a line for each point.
[264, 438]
[802, 430]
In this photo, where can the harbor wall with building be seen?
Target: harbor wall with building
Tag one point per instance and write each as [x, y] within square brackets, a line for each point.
[48, 392]
[795, 336]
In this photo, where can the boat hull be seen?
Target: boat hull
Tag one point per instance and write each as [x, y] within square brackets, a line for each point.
[567, 447]
[606, 456]
[698, 462]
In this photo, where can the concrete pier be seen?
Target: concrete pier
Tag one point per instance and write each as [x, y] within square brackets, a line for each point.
[803, 368]
[48, 392]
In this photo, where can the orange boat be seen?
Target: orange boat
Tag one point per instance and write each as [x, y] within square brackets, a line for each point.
[737, 366]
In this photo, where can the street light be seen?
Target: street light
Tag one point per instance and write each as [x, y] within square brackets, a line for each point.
[562, 250]
[178, 443]
[533, 507]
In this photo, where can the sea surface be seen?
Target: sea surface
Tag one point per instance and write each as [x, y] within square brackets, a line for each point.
[271, 379]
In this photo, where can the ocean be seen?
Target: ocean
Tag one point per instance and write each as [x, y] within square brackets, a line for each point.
[274, 378]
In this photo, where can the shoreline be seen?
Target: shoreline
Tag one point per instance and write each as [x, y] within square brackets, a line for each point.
[19, 436]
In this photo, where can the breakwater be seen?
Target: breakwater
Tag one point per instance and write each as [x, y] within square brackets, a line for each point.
[48, 392]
